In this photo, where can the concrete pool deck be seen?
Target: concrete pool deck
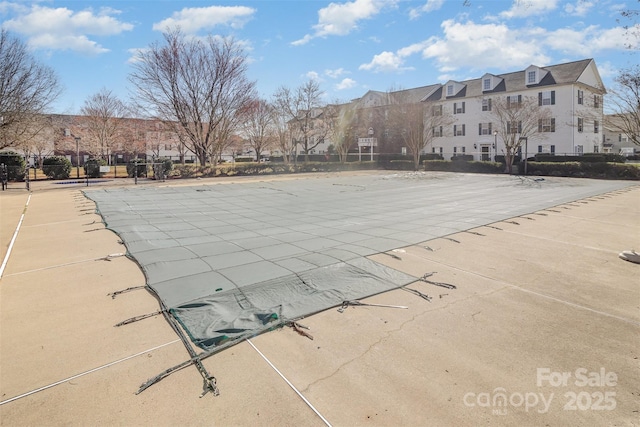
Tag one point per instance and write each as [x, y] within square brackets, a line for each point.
[536, 296]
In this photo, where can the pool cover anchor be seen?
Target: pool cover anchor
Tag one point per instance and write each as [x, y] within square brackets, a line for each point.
[346, 304]
[209, 381]
[417, 292]
[441, 284]
[300, 329]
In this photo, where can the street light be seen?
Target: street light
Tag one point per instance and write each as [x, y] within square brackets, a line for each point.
[77, 157]
[526, 151]
[495, 144]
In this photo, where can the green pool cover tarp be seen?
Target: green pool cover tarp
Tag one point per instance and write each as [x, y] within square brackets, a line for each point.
[230, 259]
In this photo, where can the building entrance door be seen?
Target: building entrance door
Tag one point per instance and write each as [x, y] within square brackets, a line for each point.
[484, 153]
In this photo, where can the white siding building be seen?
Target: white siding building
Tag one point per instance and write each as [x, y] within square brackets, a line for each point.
[572, 93]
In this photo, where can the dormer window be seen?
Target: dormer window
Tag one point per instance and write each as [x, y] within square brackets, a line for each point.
[449, 90]
[486, 84]
[531, 77]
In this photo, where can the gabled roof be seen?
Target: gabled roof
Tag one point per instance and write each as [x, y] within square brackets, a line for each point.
[583, 71]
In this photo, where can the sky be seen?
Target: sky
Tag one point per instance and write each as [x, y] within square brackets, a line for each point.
[349, 47]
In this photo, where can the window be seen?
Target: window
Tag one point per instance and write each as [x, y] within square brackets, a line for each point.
[579, 149]
[547, 98]
[436, 110]
[596, 126]
[596, 101]
[486, 104]
[436, 150]
[531, 77]
[486, 84]
[167, 147]
[449, 90]
[437, 131]
[67, 132]
[580, 97]
[596, 148]
[458, 108]
[623, 138]
[458, 130]
[546, 148]
[514, 101]
[547, 125]
[484, 129]
[580, 124]
[458, 151]
[514, 127]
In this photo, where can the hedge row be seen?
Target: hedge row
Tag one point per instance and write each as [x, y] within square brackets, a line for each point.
[584, 170]
[241, 169]
[463, 166]
[587, 157]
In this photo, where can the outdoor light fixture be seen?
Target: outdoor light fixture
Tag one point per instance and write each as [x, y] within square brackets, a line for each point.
[77, 157]
[495, 141]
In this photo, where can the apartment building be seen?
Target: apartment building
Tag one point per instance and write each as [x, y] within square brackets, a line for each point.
[571, 95]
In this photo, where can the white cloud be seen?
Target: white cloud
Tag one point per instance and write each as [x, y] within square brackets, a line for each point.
[580, 8]
[523, 9]
[429, 6]
[346, 84]
[312, 75]
[339, 19]
[478, 47]
[334, 74]
[386, 62]
[587, 41]
[193, 19]
[63, 29]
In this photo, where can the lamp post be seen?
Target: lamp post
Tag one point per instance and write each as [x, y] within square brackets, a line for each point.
[526, 152]
[495, 144]
[77, 157]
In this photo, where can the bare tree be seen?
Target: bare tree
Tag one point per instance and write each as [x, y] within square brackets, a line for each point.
[624, 103]
[340, 122]
[518, 118]
[416, 124]
[284, 139]
[258, 127]
[303, 106]
[27, 88]
[197, 85]
[104, 117]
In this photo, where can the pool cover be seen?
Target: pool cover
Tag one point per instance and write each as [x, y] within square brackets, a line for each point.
[230, 259]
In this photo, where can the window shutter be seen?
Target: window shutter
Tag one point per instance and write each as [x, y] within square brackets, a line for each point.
[463, 106]
[539, 148]
[464, 149]
[489, 128]
[455, 128]
[463, 130]
[539, 99]
[553, 149]
[508, 101]
[489, 104]
[508, 127]
[619, 137]
[519, 99]
[519, 125]
[479, 128]
[553, 125]
[455, 150]
[455, 107]
[553, 97]
[539, 125]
